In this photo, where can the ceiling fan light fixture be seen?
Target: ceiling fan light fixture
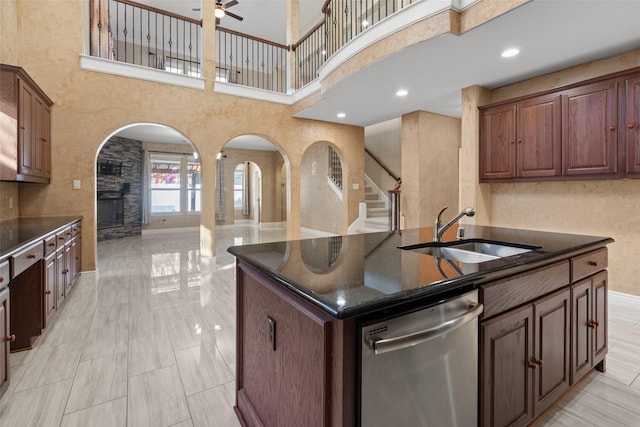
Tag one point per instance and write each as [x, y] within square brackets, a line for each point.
[219, 12]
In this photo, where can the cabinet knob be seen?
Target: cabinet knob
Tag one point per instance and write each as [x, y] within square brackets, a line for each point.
[593, 324]
[592, 263]
[532, 365]
[31, 256]
[631, 125]
[512, 141]
[11, 338]
[612, 128]
[519, 141]
[539, 362]
[52, 244]
[1, 279]
[61, 238]
[48, 292]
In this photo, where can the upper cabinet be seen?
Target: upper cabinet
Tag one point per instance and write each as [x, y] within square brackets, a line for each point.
[589, 130]
[632, 125]
[521, 139]
[25, 118]
[576, 132]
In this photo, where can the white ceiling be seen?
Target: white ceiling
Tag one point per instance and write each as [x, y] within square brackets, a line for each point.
[551, 35]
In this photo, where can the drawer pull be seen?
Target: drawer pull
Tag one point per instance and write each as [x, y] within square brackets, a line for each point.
[532, 365]
[539, 362]
[61, 238]
[631, 125]
[593, 324]
[48, 292]
[592, 263]
[52, 244]
[1, 279]
[11, 338]
[31, 256]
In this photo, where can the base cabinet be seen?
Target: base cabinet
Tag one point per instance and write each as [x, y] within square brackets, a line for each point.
[589, 299]
[5, 340]
[524, 361]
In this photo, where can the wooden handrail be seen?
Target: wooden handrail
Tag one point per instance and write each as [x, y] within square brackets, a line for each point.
[307, 35]
[325, 6]
[258, 39]
[386, 169]
[161, 12]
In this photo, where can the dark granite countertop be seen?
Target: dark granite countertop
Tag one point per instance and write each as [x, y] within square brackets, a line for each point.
[18, 233]
[359, 274]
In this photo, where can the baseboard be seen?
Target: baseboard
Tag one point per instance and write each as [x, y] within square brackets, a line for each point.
[624, 297]
[151, 231]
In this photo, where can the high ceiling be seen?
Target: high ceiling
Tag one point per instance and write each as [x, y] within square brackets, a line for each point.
[551, 35]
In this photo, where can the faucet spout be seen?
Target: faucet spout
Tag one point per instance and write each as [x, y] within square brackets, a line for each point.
[439, 229]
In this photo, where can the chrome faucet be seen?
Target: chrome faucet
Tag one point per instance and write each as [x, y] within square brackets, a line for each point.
[439, 229]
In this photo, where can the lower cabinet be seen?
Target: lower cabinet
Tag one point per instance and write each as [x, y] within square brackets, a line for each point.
[5, 340]
[50, 294]
[589, 298]
[524, 361]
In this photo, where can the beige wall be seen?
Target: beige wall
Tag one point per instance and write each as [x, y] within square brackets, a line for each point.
[89, 107]
[430, 145]
[9, 200]
[606, 207]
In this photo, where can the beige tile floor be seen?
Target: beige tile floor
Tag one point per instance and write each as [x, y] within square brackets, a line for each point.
[149, 340]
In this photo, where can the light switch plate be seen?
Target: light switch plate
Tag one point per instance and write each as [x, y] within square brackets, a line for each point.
[356, 186]
[76, 184]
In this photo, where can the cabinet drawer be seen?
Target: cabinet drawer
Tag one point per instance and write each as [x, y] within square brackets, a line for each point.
[49, 244]
[516, 290]
[588, 264]
[63, 236]
[76, 228]
[5, 274]
[26, 258]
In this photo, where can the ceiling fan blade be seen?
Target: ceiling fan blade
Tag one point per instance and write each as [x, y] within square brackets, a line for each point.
[230, 3]
[233, 15]
[217, 21]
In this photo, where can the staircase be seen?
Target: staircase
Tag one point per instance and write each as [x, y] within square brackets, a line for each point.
[377, 211]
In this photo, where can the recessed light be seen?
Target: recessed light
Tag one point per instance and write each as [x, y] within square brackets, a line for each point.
[341, 115]
[402, 92]
[508, 53]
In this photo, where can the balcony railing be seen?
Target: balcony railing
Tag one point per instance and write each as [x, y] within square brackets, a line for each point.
[130, 32]
[251, 61]
[134, 33]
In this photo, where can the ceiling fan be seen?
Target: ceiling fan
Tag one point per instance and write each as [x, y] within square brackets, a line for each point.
[221, 10]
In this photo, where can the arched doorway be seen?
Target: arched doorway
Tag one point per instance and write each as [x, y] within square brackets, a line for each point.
[250, 178]
[147, 178]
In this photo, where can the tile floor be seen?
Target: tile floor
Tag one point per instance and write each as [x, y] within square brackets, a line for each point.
[149, 340]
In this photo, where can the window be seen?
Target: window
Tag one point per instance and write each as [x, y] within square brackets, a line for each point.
[175, 183]
[238, 186]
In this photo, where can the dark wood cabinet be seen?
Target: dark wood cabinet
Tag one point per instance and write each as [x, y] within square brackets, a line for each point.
[497, 142]
[5, 340]
[521, 139]
[295, 363]
[26, 120]
[49, 284]
[505, 378]
[589, 301]
[61, 281]
[589, 125]
[525, 361]
[632, 125]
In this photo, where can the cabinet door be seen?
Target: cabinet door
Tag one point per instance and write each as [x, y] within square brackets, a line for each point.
[505, 376]
[67, 266]
[50, 277]
[599, 317]
[284, 349]
[38, 143]
[633, 125]
[4, 341]
[581, 334]
[61, 282]
[25, 130]
[497, 142]
[552, 349]
[538, 137]
[589, 123]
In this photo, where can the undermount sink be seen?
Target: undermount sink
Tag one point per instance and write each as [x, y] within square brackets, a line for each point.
[473, 251]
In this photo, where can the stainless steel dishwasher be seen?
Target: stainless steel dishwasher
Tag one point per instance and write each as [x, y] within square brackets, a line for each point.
[421, 369]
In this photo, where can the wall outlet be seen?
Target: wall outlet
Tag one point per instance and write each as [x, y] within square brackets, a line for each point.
[356, 186]
[76, 184]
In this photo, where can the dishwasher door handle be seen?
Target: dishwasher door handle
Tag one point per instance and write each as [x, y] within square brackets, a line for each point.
[379, 345]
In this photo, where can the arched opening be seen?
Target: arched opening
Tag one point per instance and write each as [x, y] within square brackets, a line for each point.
[147, 178]
[251, 181]
[323, 204]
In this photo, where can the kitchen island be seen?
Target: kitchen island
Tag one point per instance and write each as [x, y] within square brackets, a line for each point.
[301, 306]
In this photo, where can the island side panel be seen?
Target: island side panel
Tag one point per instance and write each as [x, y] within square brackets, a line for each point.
[291, 367]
